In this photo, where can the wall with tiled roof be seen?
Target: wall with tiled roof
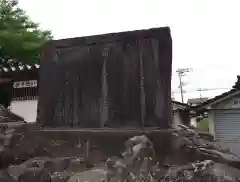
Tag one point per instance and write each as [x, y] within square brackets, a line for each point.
[19, 68]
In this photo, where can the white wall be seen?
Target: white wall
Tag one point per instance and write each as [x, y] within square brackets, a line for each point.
[27, 109]
[193, 122]
[176, 118]
[211, 123]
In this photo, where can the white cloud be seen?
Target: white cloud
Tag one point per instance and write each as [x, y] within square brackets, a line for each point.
[205, 33]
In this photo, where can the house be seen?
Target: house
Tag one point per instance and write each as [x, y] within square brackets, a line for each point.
[193, 103]
[181, 113]
[224, 118]
[23, 89]
[196, 101]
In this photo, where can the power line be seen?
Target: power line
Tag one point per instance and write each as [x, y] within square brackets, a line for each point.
[203, 89]
[200, 90]
[203, 69]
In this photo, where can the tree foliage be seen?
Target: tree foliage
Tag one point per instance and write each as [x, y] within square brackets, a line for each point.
[237, 83]
[20, 38]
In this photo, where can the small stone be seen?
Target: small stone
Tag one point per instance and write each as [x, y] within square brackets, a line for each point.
[60, 177]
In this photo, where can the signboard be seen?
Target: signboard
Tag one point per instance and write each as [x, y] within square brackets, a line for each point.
[25, 84]
[236, 103]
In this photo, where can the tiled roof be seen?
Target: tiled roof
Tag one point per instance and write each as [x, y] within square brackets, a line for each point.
[183, 104]
[19, 68]
[210, 101]
[197, 100]
[180, 106]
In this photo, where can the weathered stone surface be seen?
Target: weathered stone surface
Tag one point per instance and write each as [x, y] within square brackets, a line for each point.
[93, 175]
[202, 160]
[42, 167]
[10, 125]
[188, 145]
[5, 177]
[9, 130]
[77, 164]
[19, 154]
[16, 171]
[228, 173]
[27, 167]
[60, 176]
[35, 174]
[59, 164]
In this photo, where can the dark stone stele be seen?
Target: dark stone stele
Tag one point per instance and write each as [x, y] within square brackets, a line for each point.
[116, 80]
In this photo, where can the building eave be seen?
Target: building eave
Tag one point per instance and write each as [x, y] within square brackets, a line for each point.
[207, 105]
[180, 106]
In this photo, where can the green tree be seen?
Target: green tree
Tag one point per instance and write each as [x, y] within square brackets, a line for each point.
[20, 38]
[237, 83]
[203, 125]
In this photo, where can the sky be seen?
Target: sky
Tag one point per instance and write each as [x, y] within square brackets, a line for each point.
[205, 33]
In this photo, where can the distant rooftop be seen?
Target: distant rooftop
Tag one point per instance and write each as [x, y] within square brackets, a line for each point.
[196, 101]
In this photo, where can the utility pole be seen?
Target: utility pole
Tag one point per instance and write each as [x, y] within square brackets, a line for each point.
[181, 72]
